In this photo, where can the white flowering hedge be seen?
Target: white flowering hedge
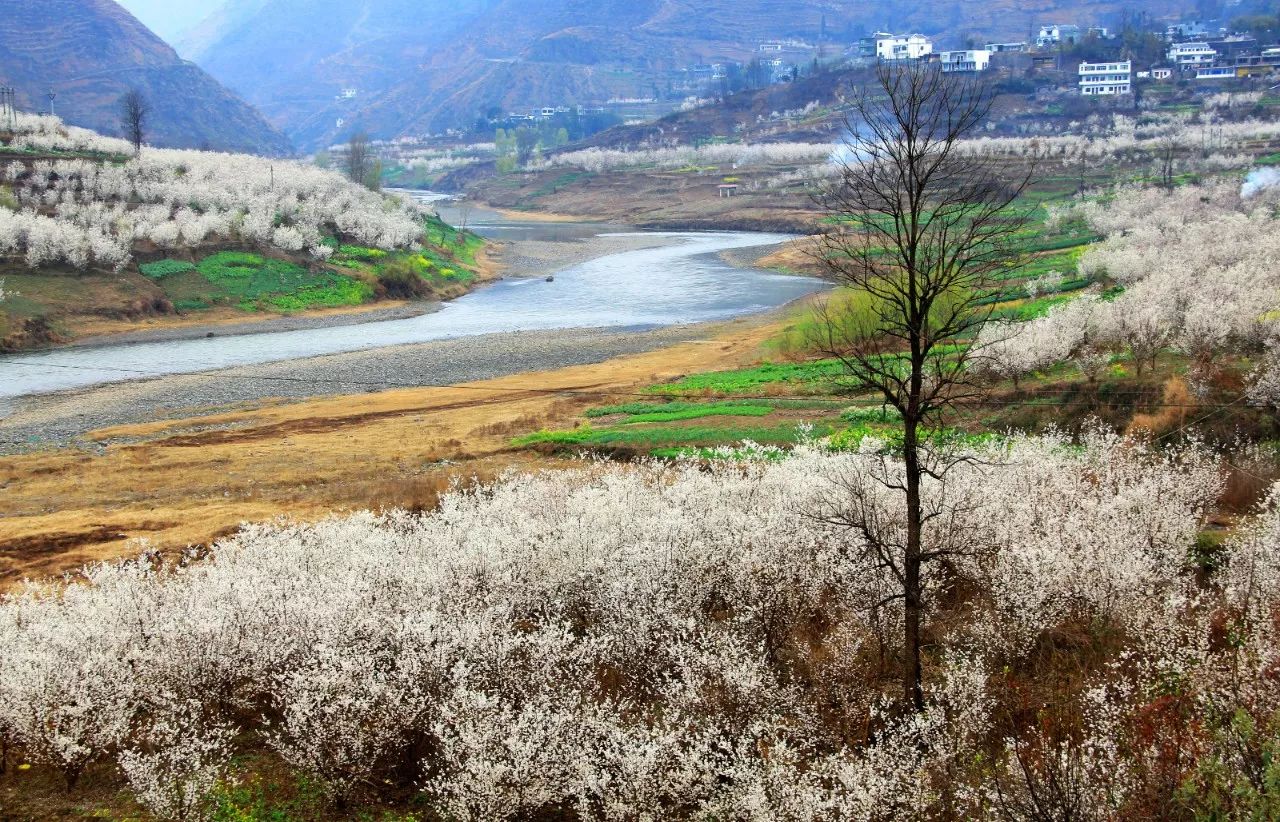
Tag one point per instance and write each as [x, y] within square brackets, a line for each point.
[91, 211]
[645, 642]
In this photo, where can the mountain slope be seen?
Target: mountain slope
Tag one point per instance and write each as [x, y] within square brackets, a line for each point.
[90, 52]
[420, 66]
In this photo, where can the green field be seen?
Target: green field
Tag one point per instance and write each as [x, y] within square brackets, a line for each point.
[251, 282]
[650, 438]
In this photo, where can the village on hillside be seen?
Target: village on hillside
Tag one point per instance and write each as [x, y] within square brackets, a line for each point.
[1062, 58]
[1064, 71]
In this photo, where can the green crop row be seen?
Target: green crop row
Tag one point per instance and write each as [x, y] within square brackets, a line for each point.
[166, 268]
[647, 438]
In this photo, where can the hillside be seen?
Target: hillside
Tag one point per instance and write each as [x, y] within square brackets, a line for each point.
[417, 68]
[93, 240]
[90, 52]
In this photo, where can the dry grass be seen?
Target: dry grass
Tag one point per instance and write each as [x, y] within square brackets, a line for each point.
[1178, 404]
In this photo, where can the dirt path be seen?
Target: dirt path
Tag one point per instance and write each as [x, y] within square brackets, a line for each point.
[180, 482]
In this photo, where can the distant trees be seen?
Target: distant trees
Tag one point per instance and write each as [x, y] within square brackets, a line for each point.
[1198, 267]
[518, 147]
[505, 148]
[740, 154]
[135, 115]
[919, 230]
[1266, 27]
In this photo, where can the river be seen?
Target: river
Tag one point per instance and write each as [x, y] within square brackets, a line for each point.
[682, 281]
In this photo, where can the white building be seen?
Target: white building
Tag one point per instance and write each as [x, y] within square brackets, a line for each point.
[1056, 34]
[903, 46]
[1216, 73]
[1005, 48]
[1106, 78]
[966, 60]
[1192, 54]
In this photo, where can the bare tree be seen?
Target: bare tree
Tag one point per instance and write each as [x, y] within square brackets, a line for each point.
[1166, 157]
[135, 116]
[919, 230]
[360, 159]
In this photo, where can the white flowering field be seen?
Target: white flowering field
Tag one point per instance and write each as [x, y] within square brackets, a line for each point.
[670, 641]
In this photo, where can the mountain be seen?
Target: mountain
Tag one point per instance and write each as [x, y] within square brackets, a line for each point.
[193, 42]
[320, 68]
[90, 52]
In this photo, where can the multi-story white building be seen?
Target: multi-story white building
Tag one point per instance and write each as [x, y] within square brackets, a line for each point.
[1056, 34]
[966, 60]
[1106, 78]
[903, 46]
[1192, 54]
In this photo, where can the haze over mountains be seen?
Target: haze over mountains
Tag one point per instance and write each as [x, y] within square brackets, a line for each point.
[90, 52]
[419, 66]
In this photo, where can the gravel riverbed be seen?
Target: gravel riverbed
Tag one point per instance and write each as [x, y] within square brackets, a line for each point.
[62, 419]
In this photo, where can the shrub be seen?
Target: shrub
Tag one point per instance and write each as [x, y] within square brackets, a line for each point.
[400, 279]
[356, 252]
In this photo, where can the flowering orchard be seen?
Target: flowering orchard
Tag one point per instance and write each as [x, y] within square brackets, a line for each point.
[85, 212]
[746, 155]
[1200, 271]
[1206, 142]
[681, 641]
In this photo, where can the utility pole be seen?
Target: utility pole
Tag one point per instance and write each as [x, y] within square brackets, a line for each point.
[51, 95]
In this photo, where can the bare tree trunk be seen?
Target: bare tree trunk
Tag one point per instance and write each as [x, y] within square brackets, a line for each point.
[912, 676]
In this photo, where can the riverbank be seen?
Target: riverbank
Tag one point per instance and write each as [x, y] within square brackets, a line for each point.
[669, 200]
[168, 461]
[82, 309]
[77, 418]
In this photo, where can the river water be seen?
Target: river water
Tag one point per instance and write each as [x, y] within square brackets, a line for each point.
[681, 282]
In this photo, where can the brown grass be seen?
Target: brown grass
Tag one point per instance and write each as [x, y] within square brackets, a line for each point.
[1179, 405]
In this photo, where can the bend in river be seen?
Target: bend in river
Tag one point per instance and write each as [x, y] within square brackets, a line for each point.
[682, 281]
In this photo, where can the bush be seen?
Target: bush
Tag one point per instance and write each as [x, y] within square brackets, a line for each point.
[399, 279]
[251, 281]
[357, 252]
